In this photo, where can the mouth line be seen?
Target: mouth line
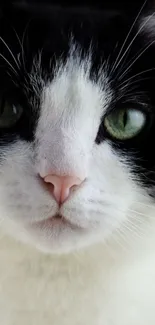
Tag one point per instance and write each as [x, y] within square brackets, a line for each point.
[57, 220]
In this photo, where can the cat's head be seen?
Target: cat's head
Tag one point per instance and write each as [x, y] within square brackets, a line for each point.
[77, 127]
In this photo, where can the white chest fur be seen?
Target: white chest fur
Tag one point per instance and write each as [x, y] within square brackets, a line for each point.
[78, 289]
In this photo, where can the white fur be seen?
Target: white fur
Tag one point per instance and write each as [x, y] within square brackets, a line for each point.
[94, 287]
[106, 276]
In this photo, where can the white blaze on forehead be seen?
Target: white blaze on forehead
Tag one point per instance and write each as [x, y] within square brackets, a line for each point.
[71, 110]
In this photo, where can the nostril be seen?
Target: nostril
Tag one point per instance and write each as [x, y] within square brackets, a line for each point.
[60, 186]
[47, 186]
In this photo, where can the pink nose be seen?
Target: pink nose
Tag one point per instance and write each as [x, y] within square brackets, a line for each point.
[62, 186]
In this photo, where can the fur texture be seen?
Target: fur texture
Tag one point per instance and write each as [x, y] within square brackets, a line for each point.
[65, 69]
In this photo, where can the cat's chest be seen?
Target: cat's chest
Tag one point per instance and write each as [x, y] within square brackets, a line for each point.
[39, 290]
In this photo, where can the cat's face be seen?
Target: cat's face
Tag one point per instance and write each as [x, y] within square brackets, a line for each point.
[77, 101]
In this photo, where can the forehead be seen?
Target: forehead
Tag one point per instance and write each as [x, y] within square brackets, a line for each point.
[48, 29]
[72, 98]
[40, 39]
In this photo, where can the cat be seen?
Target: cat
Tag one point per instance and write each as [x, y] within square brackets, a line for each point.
[77, 163]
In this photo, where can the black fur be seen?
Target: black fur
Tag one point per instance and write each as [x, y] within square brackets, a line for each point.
[47, 26]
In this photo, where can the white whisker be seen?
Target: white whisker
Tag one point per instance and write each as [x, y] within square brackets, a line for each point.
[130, 44]
[133, 230]
[141, 53]
[123, 235]
[21, 46]
[8, 48]
[134, 76]
[138, 213]
[124, 43]
[11, 66]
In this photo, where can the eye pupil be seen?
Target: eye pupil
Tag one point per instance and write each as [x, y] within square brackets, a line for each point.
[125, 118]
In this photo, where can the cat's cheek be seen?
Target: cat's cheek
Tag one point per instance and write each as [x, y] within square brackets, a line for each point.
[102, 204]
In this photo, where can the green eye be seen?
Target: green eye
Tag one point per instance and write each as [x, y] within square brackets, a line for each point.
[125, 124]
[9, 113]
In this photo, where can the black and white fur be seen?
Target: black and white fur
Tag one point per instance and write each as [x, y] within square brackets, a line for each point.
[68, 66]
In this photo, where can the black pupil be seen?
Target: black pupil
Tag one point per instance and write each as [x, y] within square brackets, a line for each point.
[125, 117]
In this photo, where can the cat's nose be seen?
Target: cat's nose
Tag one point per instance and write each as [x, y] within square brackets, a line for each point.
[62, 185]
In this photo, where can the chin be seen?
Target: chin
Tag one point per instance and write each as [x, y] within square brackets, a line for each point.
[66, 241]
[57, 235]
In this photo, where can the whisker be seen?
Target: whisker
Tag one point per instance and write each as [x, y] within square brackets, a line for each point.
[130, 44]
[18, 38]
[23, 37]
[13, 80]
[141, 53]
[117, 237]
[134, 230]
[139, 213]
[11, 66]
[129, 85]
[117, 231]
[136, 220]
[123, 235]
[124, 43]
[135, 214]
[124, 66]
[8, 48]
[129, 93]
[136, 75]
[22, 49]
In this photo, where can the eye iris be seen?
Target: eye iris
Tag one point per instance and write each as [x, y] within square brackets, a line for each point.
[9, 113]
[125, 124]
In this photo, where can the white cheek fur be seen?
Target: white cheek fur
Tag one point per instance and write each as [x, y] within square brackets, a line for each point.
[100, 206]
